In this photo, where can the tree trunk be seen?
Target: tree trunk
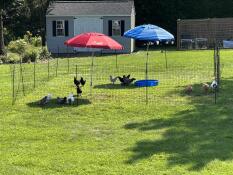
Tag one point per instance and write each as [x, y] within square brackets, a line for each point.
[2, 46]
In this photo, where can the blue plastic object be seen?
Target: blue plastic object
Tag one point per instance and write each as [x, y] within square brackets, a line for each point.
[149, 33]
[147, 83]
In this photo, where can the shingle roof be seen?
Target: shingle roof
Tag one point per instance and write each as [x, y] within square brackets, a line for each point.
[75, 8]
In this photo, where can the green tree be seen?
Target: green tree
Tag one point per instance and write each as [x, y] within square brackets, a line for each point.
[8, 9]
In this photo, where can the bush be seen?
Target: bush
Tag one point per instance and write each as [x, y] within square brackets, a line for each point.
[44, 54]
[17, 46]
[13, 58]
[36, 41]
[30, 56]
[10, 58]
[3, 59]
[27, 37]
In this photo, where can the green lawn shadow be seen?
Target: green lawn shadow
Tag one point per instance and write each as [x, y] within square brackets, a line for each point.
[194, 136]
[53, 104]
[115, 86]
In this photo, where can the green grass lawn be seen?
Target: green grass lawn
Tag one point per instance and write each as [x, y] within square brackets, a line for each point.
[113, 131]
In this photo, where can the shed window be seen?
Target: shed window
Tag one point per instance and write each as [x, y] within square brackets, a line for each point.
[116, 28]
[60, 28]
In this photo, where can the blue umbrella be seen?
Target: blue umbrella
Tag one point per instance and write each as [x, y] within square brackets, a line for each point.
[150, 33]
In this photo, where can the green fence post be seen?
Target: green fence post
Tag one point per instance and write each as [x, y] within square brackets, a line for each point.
[13, 85]
[34, 74]
[48, 70]
[76, 70]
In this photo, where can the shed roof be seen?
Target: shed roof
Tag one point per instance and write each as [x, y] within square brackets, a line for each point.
[91, 8]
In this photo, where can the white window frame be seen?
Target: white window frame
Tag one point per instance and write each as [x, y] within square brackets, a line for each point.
[60, 28]
[113, 33]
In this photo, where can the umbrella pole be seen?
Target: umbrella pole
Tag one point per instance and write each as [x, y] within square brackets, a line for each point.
[147, 60]
[92, 66]
[166, 55]
[116, 59]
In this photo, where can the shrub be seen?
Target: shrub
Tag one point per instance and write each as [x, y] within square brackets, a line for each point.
[30, 56]
[10, 58]
[3, 59]
[44, 54]
[17, 46]
[36, 41]
[27, 37]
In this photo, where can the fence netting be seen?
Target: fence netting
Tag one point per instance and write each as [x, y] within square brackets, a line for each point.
[36, 81]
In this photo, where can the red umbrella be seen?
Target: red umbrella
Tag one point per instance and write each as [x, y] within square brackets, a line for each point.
[94, 40]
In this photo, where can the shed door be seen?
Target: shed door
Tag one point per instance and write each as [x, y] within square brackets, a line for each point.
[87, 24]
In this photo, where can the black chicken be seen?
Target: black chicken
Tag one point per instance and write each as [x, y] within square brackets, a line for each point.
[129, 81]
[61, 101]
[79, 91]
[132, 80]
[125, 81]
[121, 79]
[82, 81]
[76, 82]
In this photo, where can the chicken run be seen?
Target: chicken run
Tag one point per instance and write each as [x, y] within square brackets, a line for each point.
[110, 83]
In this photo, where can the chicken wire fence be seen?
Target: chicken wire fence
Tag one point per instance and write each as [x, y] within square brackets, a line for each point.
[51, 78]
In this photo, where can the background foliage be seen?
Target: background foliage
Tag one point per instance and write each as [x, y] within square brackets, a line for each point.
[29, 15]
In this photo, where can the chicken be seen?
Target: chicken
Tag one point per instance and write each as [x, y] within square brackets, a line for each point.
[79, 91]
[45, 100]
[205, 87]
[189, 89]
[132, 80]
[214, 85]
[70, 99]
[82, 81]
[61, 101]
[125, 81]
[121, 79]
[129, 81]
[113, 80]
[76, 82]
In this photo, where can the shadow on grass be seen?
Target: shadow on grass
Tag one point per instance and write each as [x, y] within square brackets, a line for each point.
[193, 137]
[53, 104]
[115, 86]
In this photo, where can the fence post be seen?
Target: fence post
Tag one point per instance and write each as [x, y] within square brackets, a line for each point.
[56, 66]
[13, 85]
[21, 76]
[48, 69]
[34, 73]
[76, 70]
[215, 62]
[68, 60]
[218, 67]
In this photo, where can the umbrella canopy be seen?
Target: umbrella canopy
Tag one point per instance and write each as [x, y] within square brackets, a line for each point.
[94, 40]
[149, 33]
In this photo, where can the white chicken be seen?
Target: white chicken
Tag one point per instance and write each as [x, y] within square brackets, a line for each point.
[70, 99]
[214, 85]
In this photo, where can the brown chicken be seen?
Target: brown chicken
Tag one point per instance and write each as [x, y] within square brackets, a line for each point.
[205, 87]
[189, 89]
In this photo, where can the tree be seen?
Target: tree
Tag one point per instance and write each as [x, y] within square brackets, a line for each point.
[38, 11]
[2, 47]
[8, 9]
